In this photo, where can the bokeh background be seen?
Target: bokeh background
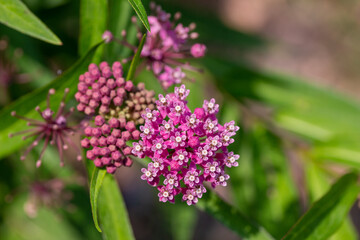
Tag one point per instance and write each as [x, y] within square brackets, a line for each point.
[286, 71]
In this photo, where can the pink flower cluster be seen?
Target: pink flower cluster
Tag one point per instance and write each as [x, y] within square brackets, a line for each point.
[108, 142]
[119, 105]
[187, 149]
[166, 44]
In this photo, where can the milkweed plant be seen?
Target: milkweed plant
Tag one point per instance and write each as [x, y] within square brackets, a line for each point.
[149, 101]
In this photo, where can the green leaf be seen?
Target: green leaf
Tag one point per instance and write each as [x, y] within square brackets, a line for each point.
[114, 218]
[112, 213]
[15, 14]
[93, 18]
[95, 185]
[231, 217]
[328, 213]
[136, 59]
[140, 11]
[25, 105]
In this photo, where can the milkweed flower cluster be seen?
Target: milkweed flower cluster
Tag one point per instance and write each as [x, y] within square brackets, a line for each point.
[116, 105]
[53, 129]
[166, 44]
[187, 149]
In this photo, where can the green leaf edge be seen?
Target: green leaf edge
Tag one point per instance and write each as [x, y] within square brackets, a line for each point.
[55, 41]
[96, 181]
[350, 181]
[136, 59]
[140, 11]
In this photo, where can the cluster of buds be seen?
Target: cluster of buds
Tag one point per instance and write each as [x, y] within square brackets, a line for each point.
[119, 106]
[187, 149]
[53, 129]
[166, 44]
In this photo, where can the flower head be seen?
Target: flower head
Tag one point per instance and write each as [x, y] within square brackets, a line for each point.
[166, 45]
[118, 107]
[52, 128]
[191, 148]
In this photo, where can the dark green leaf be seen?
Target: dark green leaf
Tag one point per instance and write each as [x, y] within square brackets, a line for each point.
[25, 105]
[136, 59]
[93, 18]
[327, 214]
[140, 11]
[112, 213]
[95, 186]
[15, 14]
[231, 217]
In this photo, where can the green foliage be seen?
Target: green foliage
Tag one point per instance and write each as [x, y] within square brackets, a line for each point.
[15, 14]
[96, 181]
[327, 214]
[140, 11]
[136, 59]
[93, 19]
[231, 217]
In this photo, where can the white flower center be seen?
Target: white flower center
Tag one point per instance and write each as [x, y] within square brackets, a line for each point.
[158, 146]
[192, 178]
[156, 164]
[210, 105]
[171, 181]
[181, 90]
[192, 120]
[190, 197]
[163, 100]
[221, 178]
[146, 131]
[178, 139]
[214, 142]
[212, 169]
[167, 126]
[204, 152]
[138, 148]
[198, 190]
[181, 157]
[231, 127]
[226, 138]
[211, 125]
[165, 194]
[148, 173]
[232, 159]
[149, 115]
[178, 108]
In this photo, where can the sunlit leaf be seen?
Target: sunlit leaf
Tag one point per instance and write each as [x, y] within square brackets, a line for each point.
[140, 11]
[327, 214]
[15, 14]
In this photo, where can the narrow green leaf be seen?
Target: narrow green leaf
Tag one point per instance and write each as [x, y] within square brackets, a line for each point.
[231, 217]
[15, 14]
[136, 59]
[25, 105]
[95, 186]
[140, 11]
[93, 18]
[113, 215]
[328, 213]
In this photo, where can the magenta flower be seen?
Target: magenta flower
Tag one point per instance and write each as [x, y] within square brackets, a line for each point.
[118, 106]
[166, 45]
[191, 148]
[53, 129]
